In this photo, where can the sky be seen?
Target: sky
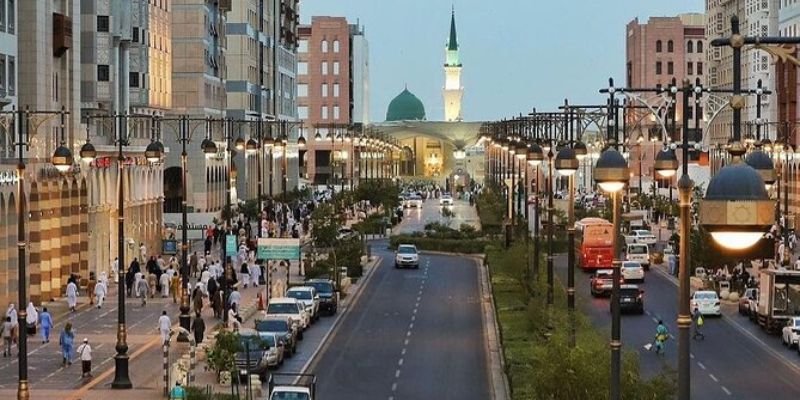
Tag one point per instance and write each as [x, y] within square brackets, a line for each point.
[526, 54]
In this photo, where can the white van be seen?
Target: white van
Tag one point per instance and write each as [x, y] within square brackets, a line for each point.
[639, 252]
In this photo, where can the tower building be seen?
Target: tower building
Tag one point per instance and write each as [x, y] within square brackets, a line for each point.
[453, 91]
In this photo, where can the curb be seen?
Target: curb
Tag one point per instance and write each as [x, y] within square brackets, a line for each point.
[494, 347]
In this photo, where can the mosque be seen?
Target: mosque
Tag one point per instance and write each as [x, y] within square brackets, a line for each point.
[440, 151]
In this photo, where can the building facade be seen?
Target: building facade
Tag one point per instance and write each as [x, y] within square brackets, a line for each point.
[656, 52]
[333, 80]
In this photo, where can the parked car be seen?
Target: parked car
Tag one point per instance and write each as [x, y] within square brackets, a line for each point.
[406, 256]
[601, 282]
[638, 252]
[276, 348]
[291, 308]
[640, 236]
[790, 334]
[328, 295]
[413, 201]
[707, 302]
[632, 271]
[446, 200]
[255, 356]
[346, 233]
[282, 327]
[750, 294]
[630, 299]
[308, 296]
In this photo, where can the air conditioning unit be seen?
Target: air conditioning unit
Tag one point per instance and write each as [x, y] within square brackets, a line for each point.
[62, 34]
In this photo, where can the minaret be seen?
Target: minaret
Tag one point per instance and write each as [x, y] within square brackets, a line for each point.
[453, 92]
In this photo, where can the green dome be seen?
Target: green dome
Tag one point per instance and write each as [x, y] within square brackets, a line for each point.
[405, 107]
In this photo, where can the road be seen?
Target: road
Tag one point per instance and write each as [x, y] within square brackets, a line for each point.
[414, 219]
[735, 361]
[413, 334]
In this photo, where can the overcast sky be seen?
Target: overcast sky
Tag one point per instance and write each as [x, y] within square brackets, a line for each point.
[528, 53]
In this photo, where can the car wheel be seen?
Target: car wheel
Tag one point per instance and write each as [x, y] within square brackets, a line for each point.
[396, 266]
[300, 335]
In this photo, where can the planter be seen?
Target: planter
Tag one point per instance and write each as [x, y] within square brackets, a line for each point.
[224, 378]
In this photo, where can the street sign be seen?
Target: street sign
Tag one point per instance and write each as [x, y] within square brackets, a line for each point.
[169, 247]
[278, 249]
[230, 244]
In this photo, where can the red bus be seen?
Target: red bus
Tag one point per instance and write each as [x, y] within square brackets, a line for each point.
[594, 243]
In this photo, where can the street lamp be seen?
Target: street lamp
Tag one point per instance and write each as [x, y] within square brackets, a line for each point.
[762, 163]
[535, 158]
[567, 164]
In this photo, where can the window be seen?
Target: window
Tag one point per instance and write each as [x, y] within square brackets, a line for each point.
[12, 75]
[690, 67]
[699, 68]
[2, 71]
[102, 23]
[658, 46]
[324, 46]
[690, 47]
[324, 112]
[11, 8]
[2, 15]
[335, 90]
[324, 90]
[302, 46]
[699, 46]
[103, 74]
[670, 68]
[336, 68]
[302, 90]
[335, 112]
[658, 67]
[324, 68]
[133, 79]
[336, 46]
[302, 68]
[135, 34]
[670, 47]
[302, 112]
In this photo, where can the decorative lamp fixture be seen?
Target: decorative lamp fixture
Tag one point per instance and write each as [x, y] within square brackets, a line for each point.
[666, 164]
[762, 163]
[153, 152]
[611, 171]
[317, 137]
[521, 151]
[239, 143]
[62, 159]
[269, 141]
[209, 147]
[580, 150]
[88, 152]
[566, 162]
[252, 146]
[301, 142]
[535, 155]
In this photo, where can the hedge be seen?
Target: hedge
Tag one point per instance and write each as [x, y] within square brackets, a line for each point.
[465, 246]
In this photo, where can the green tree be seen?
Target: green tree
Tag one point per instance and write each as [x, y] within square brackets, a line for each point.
[222, 355]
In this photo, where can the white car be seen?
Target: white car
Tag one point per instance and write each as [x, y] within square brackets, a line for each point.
[790, 335]
[406, 256]
[638, 252]
[309, 297]
[446, 200]
[291, 308]
[413, 201]
[707, 302]
[640, 236]
[632, 271]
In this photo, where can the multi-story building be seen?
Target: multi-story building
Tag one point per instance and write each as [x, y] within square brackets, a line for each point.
[285, 91]
[663, 49]
[330, 70]
[8, 57]
[786, 85]
[126, 66]
[756, 18]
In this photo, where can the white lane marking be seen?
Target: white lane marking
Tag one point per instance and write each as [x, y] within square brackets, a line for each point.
[402, 353]
[655, 319]
[394, 388]
[400, 363]
[397, 373]
[416, 305]
[691, 355]
[713, 378]
[415, 311]
[410, 326]
[408, 333]
[699, 364]
[391, 397]
[413, 317]
[406, 342]
[419, 298]
[724, 389]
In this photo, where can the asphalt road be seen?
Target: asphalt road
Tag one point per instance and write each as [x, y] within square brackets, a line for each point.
[413, 334]
[414, 219]
[735, 361]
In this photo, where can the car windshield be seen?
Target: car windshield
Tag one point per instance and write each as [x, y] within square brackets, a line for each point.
[603, 276]
[251, 343]
[797, 322]
[644, 233]
[289, 396]
[272, 326]
[637, 250]
[299, 294]
[629, 292]
[705, 296]
[268, 339]
[322, 287]
[406, 250]
[282, 308]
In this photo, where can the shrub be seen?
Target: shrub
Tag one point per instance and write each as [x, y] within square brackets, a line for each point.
[222, 355]
[465, 246]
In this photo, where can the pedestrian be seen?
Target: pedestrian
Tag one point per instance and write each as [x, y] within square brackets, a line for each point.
[193, 264]
[103, 278]
[65, 341]
[661, 337]
[72, 296]
[142, 289]
[199, 328]
[90, 287]
[164, 281]
[7, 331]
[164, 326]
[85, 354]
[235, 298]
[234, 322]
[698, 324]
[177, 392]
[46, 321]
[115, 269]
[205, 276]
[175, 288]
[100, 291]
[143, 251]
[207, 245]
[244, 274]
[255, 272]
[31, 318]
[152, 285]
[197, 299]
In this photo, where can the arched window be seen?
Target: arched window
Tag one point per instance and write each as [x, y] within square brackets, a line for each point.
[658, 46]
[670, 47]
[699, 46]
[336, 46]
[324, 46]
[690, 47]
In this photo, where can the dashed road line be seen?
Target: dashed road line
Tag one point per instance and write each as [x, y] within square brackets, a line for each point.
[699, 364]
[394, 387]
[406, 342]
[400, 362]
[397, 373]
[724, 389]
[402, 353]
[713, 378]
